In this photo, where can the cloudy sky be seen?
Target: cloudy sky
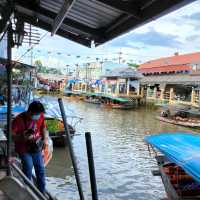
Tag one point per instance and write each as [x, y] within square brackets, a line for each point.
[176, 32]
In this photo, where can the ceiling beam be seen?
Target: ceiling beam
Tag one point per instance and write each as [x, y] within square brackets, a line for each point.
[61, 15]
[126, 7]
[6, 11]
[47, 26]
[95, 34]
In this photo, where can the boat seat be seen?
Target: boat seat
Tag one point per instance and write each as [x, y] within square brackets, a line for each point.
[14, 189]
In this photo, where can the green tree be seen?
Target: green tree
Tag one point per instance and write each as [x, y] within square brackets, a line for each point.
[133, 65]
[38, 64]
[47, 70]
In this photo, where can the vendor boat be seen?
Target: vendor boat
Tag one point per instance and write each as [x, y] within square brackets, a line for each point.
[57, 131]
[178, 163]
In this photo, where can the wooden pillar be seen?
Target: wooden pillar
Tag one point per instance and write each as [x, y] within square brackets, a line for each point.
[142, 91]
[106, 88]
[162, 94]
[100, 88]
[117, 88]
[171, 94]
[138, 91]
[155, 93]
[73, 86]
[193, 95]
[128, 87]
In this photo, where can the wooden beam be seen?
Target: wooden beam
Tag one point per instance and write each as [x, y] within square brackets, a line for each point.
[61, 15]
[126, 7]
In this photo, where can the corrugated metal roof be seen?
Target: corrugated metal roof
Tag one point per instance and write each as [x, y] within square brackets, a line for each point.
[84, 21]
[127, 72]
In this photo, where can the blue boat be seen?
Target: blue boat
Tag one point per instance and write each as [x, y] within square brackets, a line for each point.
[179, 163]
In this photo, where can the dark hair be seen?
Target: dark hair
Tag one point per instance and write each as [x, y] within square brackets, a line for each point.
[36, 107]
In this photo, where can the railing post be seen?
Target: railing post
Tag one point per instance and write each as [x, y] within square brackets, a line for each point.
[91, 166]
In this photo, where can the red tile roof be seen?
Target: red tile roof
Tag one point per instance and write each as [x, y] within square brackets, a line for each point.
[168, 63]
[167, 69]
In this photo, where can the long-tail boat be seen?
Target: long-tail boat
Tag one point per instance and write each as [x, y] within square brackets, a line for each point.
[183, 116]
[178, 159]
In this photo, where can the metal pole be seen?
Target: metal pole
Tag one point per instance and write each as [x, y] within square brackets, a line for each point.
[71, 150]
[91, 166]
[9, 95]
[29, 88]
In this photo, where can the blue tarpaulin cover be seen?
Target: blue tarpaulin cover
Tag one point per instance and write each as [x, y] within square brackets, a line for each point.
[15, 109]
[180, 148]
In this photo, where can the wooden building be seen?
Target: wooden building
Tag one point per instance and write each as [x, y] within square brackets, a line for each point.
[121, 82]
[172, 79]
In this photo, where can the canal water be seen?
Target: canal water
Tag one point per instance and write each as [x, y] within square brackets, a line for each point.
[123, 164]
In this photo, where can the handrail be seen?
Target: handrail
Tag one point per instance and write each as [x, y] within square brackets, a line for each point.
[28, 182]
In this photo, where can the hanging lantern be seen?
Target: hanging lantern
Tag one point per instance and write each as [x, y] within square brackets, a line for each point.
[19, 32]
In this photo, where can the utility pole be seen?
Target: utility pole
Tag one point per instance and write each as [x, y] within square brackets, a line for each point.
[67, 69]
[120, 54]
[77, 71]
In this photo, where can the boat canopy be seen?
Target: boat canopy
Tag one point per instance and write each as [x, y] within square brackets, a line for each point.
[94, 94]
[120, 99]
[180, 148]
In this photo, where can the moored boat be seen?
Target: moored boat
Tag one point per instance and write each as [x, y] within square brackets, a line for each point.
[191, 123]
[92, 100]
[179, 164]
[183, 116]
[121, 103]
[57, 132]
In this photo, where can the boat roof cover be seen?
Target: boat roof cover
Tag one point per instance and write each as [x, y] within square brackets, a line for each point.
[180, 148]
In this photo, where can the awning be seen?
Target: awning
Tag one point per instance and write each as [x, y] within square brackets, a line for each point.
[180, 148]
[87, 21]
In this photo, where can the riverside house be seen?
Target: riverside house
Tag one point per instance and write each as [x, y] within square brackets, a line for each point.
[123, 82]
[174, 79]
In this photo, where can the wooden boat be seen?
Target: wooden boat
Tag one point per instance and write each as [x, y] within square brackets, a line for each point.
[187, 122]
[92, 100]
[178, 163]
[57, 133]
[178, 184]
[117, 103]
[122, 106]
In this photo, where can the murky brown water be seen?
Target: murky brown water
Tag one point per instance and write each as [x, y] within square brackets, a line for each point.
[123, 164]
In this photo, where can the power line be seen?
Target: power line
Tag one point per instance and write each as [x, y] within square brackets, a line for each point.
[31, 48]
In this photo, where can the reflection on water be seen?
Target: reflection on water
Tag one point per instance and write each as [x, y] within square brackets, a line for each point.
[123, 164]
